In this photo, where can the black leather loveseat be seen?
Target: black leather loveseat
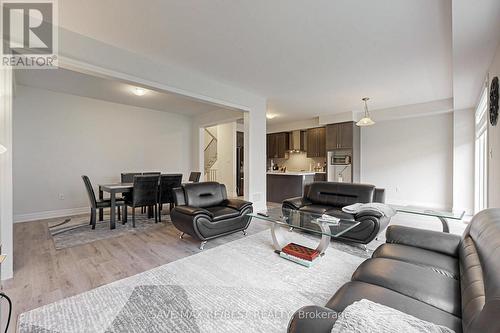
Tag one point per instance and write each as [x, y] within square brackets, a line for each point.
[441, 278]
[203, 211]
[330, 197]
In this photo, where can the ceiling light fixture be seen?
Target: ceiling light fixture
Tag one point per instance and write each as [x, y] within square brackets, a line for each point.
[139, 91]
[366, 120]
[270, 116]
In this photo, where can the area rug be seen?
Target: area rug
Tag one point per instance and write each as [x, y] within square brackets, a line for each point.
[242, 286]
[75, 230]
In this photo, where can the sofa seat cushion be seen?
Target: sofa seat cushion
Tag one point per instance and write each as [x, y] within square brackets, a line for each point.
[356, 291]
[440, 263]
[222, 212]
[315, 209]
[340, 214]
[413, 281]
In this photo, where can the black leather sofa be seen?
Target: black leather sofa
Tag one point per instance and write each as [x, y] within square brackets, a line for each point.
[441, 278]
[203, 211]
[330, 197]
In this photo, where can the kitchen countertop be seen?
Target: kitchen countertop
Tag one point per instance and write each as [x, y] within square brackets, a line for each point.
[293, 173]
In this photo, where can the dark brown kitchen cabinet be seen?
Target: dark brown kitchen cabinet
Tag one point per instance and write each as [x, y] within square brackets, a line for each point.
[277, 145]
[340, 136]
[316, 142]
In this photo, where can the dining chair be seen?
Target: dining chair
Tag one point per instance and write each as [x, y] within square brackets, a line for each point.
[194, 177]
[154, 173]
[145, 194]
[96, 204]
[165, 193]
[128, 177]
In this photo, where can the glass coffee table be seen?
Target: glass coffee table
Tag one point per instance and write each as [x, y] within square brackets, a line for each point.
[293, 220]
[442, 216]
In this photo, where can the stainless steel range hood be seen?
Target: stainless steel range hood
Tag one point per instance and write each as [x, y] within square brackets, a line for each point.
[296, 143]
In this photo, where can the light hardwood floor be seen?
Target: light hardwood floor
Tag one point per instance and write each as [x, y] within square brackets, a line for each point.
[43, 275]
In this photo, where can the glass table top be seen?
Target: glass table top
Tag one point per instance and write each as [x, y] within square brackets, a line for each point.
[429, 212]
[310, 222]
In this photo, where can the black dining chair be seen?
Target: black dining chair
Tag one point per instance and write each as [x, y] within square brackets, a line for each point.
[165, 193]
[128, 177]
[96, 204]
[194, 177]
[154, 173]
[145, 194]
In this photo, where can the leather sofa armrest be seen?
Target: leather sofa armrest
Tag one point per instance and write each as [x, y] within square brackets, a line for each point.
[295, 203]
[425, 239]
[313, 319]
[192, 211]
[237, 204]
[179, 198]
[371, 213]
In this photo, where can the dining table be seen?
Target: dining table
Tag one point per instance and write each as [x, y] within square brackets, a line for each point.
[113, 189]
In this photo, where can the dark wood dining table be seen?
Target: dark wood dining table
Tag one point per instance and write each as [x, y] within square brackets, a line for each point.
[113, 189]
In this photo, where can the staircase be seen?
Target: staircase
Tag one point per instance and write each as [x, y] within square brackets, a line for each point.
[210, 157]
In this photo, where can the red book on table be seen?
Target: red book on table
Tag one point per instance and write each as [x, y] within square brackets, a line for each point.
[300, 251]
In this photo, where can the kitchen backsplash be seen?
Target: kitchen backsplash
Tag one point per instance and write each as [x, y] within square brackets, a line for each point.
[297, 162]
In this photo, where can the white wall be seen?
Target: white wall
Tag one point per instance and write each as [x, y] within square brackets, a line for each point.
[463, 161]
[226, 157]
[59, 137]
[81, 53]
[494, 147]
[411, 158]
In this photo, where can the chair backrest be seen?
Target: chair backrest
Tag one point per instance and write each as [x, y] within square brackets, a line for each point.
[129, 177]
[379, 195]
[145, 190]
[339, 194]
[195, 177]
[90, 191]
[151, 173]
[167, 184]
[206, 194]
[480, 273]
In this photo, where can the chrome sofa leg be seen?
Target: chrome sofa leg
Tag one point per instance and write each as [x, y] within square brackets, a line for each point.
[181, 235]
[244, 232]
[202, 245]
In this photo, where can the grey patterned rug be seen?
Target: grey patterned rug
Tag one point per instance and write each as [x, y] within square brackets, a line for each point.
[75, 230]
[242, 286]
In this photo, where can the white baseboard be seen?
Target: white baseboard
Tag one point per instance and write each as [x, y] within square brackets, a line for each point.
[50, 214]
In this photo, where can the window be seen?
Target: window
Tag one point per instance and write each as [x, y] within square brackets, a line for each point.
[481, 154]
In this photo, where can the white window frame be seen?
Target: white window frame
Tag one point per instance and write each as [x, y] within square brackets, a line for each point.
[481, 154]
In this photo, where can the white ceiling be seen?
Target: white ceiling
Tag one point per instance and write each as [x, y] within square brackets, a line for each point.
[476, 34]
[70, 82]
[307, 57]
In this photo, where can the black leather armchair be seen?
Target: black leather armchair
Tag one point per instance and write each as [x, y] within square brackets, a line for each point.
[330, 197]
[438, 277]
[204, 212]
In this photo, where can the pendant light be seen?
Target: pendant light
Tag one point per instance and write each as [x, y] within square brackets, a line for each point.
[366, 120]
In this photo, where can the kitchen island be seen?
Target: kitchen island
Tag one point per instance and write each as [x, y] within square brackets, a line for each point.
[285, 185]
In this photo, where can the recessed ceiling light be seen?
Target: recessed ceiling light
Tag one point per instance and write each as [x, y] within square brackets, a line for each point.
[270, 116]
[139, 91]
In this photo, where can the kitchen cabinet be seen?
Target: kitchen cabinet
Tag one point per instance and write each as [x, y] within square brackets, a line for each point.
[341, 135]
[277, 145]
[316, 142]
[343, 139]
